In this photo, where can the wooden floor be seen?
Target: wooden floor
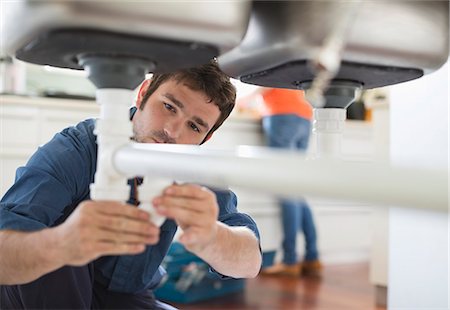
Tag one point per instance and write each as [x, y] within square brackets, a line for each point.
[343, 287]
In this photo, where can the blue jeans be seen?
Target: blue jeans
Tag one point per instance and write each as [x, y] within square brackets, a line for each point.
[289, 131]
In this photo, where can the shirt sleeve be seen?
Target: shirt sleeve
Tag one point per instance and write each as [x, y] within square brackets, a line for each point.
[229, 215]
[54, 180]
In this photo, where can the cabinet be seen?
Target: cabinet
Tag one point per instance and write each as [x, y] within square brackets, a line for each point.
[26, 123]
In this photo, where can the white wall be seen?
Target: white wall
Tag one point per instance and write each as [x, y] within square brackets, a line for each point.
[419, 241]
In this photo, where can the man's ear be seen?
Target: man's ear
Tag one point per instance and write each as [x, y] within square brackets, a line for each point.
[142, 91]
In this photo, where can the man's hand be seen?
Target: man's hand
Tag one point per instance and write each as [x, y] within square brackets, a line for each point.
[98, 228]
[195, 210]
[231, 251]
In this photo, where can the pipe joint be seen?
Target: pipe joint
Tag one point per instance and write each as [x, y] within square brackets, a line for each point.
[149, 189]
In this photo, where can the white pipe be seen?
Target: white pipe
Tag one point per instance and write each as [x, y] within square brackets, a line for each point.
[328, 129]
[113, 129]
[149, 189]
[286, 174]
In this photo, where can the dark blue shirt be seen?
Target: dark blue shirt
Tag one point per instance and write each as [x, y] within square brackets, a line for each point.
[57, 178]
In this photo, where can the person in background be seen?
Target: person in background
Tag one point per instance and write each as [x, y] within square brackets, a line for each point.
[286, 121]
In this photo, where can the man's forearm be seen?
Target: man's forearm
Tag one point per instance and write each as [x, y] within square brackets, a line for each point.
[26, 256]
[234, 252]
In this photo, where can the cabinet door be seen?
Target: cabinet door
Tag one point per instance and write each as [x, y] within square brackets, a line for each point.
[26, 123]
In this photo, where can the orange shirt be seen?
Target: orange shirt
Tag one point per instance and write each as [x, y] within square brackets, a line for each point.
[286, 101]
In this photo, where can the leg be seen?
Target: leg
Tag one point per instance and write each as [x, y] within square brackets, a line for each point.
[280, 133]
[106, 299]
[311, 266]
[309, 230]
[290, 214]
[290, 222]
[65, 288]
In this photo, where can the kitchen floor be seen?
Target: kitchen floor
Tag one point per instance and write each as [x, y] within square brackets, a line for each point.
[343, 287]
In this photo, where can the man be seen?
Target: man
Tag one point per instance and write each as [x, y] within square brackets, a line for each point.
[61, 250]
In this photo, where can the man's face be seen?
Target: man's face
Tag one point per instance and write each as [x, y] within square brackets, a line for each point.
[174, 113]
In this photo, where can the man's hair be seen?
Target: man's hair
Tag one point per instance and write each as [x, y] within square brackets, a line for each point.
[207, 78]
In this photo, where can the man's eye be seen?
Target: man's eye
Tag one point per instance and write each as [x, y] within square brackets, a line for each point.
[194, 127]
[169, 107]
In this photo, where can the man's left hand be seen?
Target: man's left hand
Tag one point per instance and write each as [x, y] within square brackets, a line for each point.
[195, 210]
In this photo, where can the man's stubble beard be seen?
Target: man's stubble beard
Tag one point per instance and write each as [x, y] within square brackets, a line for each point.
[159, 136]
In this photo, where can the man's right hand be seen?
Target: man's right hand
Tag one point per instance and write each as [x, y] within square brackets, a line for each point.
[98, 228]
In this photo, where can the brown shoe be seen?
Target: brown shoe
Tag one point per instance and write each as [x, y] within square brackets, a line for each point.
[282, 269]
[312, 268]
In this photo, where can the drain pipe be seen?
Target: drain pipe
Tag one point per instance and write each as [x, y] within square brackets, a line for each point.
[115, 78]
[151, 187]
[328, 128]
[329, 121]
[113, 130]
[287, 174]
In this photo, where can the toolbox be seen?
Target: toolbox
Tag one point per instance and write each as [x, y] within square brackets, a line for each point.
[189, 279]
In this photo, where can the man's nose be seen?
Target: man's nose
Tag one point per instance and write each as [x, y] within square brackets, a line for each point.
[173, 129]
